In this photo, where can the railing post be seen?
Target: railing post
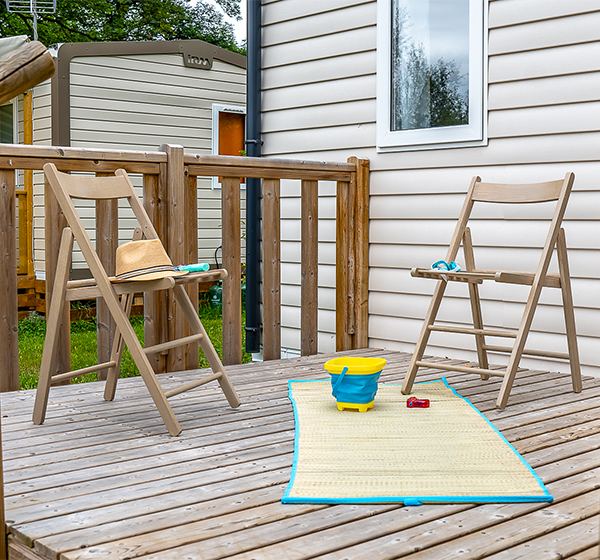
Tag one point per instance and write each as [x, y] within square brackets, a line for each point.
[232, 285]
[352, 259]
[9, 314]
[155, 307]
[107, 240]
[176, 246]
[192, 357]
[54, 223]
[271, 270]
[309, 287]
[361, 258]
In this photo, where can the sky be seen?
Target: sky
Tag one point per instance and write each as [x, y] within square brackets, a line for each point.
[239, 26]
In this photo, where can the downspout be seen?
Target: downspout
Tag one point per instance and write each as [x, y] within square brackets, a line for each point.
[253, 185]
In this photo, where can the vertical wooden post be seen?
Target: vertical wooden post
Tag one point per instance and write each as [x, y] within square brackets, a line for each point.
[232, 285]
[9, 314]
[343, 340]
[107, 240]
[361, 258]
[191, 233]
[271, 270]
[54, 223]
[3, 535]
[28, 179]
[309, 268]
[155, 302]
[352, 259]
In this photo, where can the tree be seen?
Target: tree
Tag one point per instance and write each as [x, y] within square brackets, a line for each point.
[128, 20]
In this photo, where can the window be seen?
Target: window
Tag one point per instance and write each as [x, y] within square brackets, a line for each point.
[7, 124]
[431, 73]
[229, 133]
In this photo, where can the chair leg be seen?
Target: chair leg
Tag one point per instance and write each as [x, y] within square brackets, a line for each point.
[116, 353]
[209, 350]
[475, 304]
[53, 325]
[567, 296]
[434, 307]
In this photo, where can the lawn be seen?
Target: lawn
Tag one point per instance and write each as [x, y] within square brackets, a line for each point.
[32, 332]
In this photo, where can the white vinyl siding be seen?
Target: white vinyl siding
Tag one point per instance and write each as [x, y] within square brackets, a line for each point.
[42, 136]
[138, 102]
[543, 105]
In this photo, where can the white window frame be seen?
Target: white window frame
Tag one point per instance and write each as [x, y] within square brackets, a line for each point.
[216, 109]
[15, 112]
[472, 134]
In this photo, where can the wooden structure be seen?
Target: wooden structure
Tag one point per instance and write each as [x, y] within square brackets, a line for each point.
[557, 191]
[24, 68]
[119, 487]
[65, 188]
[170, 178]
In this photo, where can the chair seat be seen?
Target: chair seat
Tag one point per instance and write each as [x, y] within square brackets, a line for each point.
[88, 288]
[476, 276]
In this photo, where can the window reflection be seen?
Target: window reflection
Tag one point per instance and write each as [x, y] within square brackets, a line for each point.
[429, 64]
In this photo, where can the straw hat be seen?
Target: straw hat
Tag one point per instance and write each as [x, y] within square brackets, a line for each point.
[144, 260]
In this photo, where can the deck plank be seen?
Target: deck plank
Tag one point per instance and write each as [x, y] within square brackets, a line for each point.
[104, 480]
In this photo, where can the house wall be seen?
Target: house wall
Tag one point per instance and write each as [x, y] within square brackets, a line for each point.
[138, 102]
[319, 94]
[42, 136]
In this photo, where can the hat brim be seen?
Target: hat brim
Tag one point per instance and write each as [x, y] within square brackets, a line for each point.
[151, 276]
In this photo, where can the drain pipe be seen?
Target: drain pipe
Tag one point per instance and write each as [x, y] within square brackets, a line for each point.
[253, 186]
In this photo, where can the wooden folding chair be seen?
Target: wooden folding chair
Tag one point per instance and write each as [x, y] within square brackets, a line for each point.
[498, 193]
[66, 187]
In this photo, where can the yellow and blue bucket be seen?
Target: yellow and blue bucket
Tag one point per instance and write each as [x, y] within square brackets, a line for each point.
[354, 381]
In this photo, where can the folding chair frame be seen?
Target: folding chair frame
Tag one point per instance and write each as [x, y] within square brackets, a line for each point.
[499, 193]
[65, 187]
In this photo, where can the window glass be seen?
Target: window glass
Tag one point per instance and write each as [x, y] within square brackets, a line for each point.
[431, 74]
[430, 63]
[6, 124]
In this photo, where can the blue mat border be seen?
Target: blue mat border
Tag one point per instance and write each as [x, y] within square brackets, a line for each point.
[410, 500]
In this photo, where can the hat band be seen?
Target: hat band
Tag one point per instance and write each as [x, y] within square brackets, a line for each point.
[149, 270]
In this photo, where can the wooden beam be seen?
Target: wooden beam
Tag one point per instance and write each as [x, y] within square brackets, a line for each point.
[9, 316]
[309, 268]
[232, 285]
[24, 68]
[54, 223]
[107, 240]
[271, 270]
[361, 248]
[343, 340]
[155, 310]
[176, 247]
[192, 357]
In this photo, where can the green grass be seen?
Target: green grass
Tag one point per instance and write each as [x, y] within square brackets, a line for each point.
[32, 332]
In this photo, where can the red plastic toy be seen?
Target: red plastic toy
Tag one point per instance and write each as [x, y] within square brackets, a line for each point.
[417, 403]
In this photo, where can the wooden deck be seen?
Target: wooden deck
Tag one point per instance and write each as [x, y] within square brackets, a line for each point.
[104, 480]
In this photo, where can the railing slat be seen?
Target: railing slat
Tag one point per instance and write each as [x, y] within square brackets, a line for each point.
[309, 268]
[9, 317]
[361, 247]
[271, 239]
[155, 308]
[176, 247]
[192, 356]
[107, 237]
[54, 223]
[232, 285]
[343, 341]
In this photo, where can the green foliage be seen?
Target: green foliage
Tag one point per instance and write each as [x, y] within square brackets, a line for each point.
[128, 20]
[32, 332]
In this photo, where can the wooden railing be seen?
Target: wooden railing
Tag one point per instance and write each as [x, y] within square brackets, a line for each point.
[170, 191]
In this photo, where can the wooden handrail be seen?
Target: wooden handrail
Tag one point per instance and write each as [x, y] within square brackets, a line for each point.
[170, 178]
